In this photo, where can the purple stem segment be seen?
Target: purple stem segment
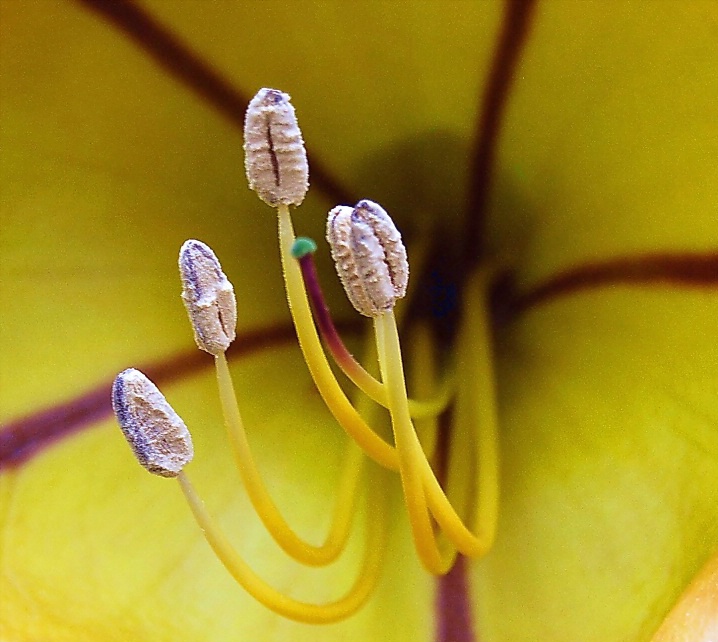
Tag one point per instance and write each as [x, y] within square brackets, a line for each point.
[452, 601]
[323, 318]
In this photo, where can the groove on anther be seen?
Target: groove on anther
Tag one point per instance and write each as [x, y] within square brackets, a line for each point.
[274, 155]
[208, 297]
[369, 256]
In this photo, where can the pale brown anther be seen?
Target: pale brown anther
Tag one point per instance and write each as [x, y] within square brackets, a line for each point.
[274, 155]
[369, 256]
[208, 297]
[157, 435]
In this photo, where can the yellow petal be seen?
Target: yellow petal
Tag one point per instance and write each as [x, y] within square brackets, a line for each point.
[610, 143]
[608, 394]
[108, 166]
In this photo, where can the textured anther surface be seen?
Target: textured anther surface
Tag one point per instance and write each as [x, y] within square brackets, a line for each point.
[274, 155]
[208, 297]
[369, 255]
[156, 433]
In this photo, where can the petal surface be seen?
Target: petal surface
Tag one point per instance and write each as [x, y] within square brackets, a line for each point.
[608, 393]
[607, 396]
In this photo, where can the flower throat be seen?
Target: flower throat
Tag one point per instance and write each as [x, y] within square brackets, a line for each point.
[455, 516]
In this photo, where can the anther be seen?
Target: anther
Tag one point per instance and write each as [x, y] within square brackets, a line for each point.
[369, 255]
[274, 155]
[208, 297]
[156, 433]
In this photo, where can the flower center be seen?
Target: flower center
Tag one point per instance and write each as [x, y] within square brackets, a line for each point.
[372, 264]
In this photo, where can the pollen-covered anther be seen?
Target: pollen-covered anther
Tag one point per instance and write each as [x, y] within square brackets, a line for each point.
[156, 433]
[274, 155]
[369, 255]
[208, 297]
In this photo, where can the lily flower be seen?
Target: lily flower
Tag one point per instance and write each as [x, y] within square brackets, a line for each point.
[574, 144]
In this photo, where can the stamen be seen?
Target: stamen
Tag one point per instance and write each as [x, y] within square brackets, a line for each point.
[274, 155]
[369, 256]
[157, 435]
[208, 297]
[271, 108]
[371, 263]
[205, 288]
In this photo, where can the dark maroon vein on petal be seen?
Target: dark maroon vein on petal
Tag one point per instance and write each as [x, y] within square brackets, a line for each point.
[507, 56]
[670, 270]
[25, 437]
[178, 59]
[454, 606]
[453, 603]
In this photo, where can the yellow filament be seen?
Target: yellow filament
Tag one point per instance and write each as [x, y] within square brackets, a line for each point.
[267, 510]
[273, 599]
[475, 408]
[343, 411]
[476, 405]
[408, 448]
[422, 380]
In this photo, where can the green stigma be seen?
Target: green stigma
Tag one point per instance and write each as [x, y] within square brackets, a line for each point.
[302, 246]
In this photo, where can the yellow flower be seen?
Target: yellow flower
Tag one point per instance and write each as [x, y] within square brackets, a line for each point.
[603, 197]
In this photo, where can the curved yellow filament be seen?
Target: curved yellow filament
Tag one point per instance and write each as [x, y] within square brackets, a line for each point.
[475, 407]
[375, 543]
[475, 416]
[409, 449]
[422, 380]
[267, 510]
[476, 404]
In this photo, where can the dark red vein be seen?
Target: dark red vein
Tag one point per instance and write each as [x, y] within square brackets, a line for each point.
[453, 603]
[178, 59]
[679, 270]
[24, 438]
[454, 606]
[506, 60]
